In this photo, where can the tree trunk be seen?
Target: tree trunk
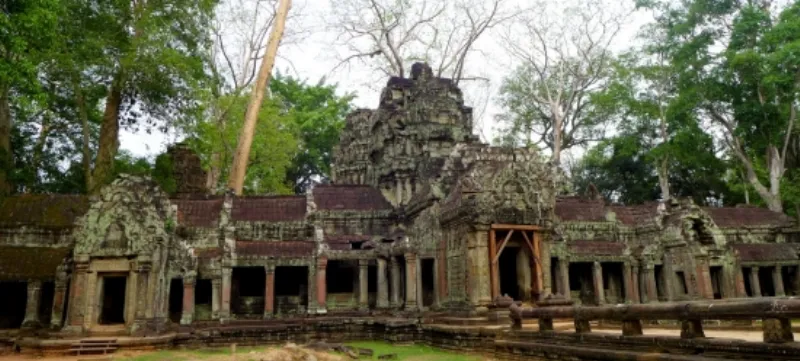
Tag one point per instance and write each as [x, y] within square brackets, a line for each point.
[663, 178]
[86, 156]
[240, 158]
[109, 140]
[6, 156]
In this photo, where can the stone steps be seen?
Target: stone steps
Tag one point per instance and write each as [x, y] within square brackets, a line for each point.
[94, 346]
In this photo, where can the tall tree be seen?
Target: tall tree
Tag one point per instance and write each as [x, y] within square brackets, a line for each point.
[739, 66]
[240, 159]
[565, 56]
[28, 30]
[152, 63]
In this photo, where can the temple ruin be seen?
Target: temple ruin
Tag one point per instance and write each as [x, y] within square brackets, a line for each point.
[420, 218]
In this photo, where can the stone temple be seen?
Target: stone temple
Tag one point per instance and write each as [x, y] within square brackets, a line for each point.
[420, 218]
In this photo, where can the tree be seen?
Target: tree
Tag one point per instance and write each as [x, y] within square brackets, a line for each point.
[152, 63]
[28, 29]
[565, 57]
[738, 67]
[240, 159]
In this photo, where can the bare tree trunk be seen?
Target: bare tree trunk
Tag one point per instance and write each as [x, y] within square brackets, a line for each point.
[663, 178]
[214, 171]
[86, 156]
[6, 156]
[241, 157]
[109, 139]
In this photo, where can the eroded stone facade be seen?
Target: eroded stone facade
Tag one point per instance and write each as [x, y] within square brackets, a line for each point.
[420, 216]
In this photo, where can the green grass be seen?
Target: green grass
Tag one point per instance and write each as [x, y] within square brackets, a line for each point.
[180, 355]
[412, 352]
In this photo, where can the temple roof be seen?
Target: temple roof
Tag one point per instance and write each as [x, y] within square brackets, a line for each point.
[767, 252]
[269, 209]
[198, 213]
[30, 262]
[738, 217]
[42, 210]
[576, 209]
[349, 197]
[275, 248]
[597, 248]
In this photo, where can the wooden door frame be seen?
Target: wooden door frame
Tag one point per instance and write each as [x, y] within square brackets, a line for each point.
[532, 239]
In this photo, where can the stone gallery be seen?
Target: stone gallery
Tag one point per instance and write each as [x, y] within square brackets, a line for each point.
[419, 217]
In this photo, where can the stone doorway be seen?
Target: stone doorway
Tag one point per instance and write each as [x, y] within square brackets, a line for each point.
[112, 300]
[716, 281]
[12, 304]
[248, 286]
[517, 273]
[175, 299]
[291, 290]
[428, 288]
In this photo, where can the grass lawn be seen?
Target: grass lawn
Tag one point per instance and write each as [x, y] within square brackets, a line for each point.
[412, 352]
[404, 353]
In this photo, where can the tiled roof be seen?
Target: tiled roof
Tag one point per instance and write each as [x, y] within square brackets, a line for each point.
[598, 248]
[737, 217]
[635, 215]
[42, 210]
[269, 209]
[208, 253]
[342, 242]
[349, 197]
[579, 209]
[275, 248]
[767, 252]
[198, 213]
[21, 263]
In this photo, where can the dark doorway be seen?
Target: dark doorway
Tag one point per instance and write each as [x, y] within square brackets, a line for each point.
[372, 285]
[716, 281]
[509, 283]
[291, 289]
[12, 304]
[682, 287]
[202, 300]
[339, 277]
[175, 299]
[661, 282]
[555, 279]
[748, 287]
[790, 281]
[765, 279]
[612, 282]
[46, 302]
[112, 309]
[247, 290]
[580, 279]
[427, 275]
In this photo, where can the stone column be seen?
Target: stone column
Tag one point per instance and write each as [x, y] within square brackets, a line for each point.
[312, 289]
[32, 306]
[383, 285]
[669, 278]
[436, 282]
[545, 259]
[77, 301]
[59, 300]
[563, 278]
[411, 282]
[704, 287]
[395, 274]
[269, 291]
[740, 289]
[143, 268]
[363, 284]
[216, 293]
[322, 290]
[635, 284]
[225, 299]
[187, 316]
[418, 278]
[627, 283]
[599, 292]
[755, 283]
[777, 280]
[650, 283]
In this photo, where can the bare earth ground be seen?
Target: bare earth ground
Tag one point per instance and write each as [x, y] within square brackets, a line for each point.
[405, 353]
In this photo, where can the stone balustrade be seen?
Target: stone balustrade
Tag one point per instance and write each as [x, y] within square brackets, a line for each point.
[775, 313]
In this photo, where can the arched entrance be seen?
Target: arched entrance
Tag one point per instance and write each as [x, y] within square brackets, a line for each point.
[515, 262]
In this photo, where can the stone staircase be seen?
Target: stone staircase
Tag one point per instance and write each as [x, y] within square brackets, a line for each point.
[94, 346]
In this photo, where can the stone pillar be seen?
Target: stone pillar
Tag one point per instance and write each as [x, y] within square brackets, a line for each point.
[59, 301]
[216, 293]
[704, 287]
[635, 278]
[563, 276]
[420, 296]
[627, 283]
[411, 282]
[383, 285]
[269, 291]
[32, 306]
[395, 274]
[740, 290]
[545, 268]
[225, 299]
[650, 283]
[363, 284]
[77, 301]
[322, 290]
[777, 280]
[143, 268]
[187, 316]
[669, 278]
[755, 283]
[436, 282]
[599, 292]
[312, 289]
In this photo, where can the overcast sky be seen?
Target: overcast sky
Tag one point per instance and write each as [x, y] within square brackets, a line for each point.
[311, 56]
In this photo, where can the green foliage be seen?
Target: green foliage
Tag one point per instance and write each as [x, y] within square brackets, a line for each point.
[159, 170]
[296, 130]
